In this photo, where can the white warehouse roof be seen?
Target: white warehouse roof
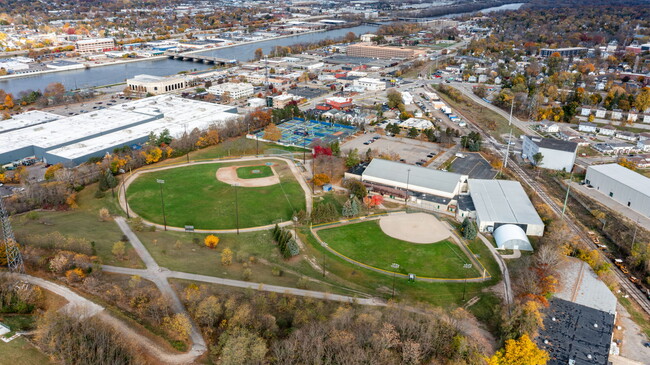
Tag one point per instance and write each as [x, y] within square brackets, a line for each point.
[418, 177]
[502, 201]
[624, 176]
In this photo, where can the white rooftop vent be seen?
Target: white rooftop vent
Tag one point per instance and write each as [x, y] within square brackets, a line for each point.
[595, 325]
[589, 356]
[553, 319]
[546, 342]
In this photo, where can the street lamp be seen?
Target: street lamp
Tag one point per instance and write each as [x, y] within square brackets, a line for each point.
[395, 267]
[466, 266]
[162, 201]
[295, 226]
[236, 206]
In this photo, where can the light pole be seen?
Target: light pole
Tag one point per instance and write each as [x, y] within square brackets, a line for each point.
[325, 245]
[466, 266]
[126, 202]
[162, 201]
[295, 227]
[395, 267]
[505, 157]
[566, 198]
[408, 178]
[236, 207]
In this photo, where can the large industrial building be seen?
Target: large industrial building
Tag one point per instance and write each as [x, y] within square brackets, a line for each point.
[557, 154]
[369, 50]
[73, 140]
[503, 208]
[156, 85]
[621, 184]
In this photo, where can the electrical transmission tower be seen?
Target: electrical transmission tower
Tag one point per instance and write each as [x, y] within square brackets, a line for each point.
[8, 243]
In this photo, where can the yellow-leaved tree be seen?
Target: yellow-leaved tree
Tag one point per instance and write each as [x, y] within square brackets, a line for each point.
[519, 352]
[211, 241]
[272, 132]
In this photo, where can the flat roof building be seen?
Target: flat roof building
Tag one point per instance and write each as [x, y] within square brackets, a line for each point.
[564, 52]
[369, 50]
[556, 154]
[236, 90]
[504, 203]
[621, 184]
[370, 84]
[94, 45]
[157, 85]
[72, 140]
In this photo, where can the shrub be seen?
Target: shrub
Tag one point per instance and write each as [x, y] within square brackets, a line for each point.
[226, 256]
[75, 275]
[211, 241]
[104, 215]
[119, 250]
[99, 194]
[276, 271]
[246, 275]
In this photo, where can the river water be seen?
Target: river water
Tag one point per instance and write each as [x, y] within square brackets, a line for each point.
[106, 75]
[114, 74]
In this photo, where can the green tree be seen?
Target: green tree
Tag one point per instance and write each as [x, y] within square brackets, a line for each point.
[352, 159]
[413, 132]
[538, 158]
[336, 148]
[119, 250]
[357, 189]
[468, 229]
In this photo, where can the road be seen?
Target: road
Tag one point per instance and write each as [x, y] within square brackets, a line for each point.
[492, 144]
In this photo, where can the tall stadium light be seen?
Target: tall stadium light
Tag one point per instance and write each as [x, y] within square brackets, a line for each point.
[466, 266]
[236, 207]
[395, 267]
[162, 201]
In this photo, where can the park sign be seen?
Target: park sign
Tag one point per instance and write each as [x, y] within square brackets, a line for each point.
[160, 181]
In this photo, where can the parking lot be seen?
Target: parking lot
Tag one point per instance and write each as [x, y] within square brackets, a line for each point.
[473, 165]
[410, 150]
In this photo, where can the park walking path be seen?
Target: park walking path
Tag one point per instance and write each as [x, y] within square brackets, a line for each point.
[292, 166]
[507, 292]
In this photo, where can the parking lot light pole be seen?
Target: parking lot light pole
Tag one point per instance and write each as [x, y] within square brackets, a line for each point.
[162, 201]
[395, 267]
[466, 266]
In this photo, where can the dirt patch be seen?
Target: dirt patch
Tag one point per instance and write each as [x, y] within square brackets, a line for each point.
[416, 228]
[229, 176]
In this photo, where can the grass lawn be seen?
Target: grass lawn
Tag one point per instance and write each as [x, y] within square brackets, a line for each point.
[81, 222]
[194, 257]
[21, 352]
[241, 146]
[194, 196]
[365, 242]
[254, 172]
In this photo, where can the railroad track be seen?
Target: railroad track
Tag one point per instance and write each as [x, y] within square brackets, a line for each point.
[625, 283]
[639, 297]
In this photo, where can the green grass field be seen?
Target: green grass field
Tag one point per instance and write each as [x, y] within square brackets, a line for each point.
[193, 196]
[365, 242]
[21, 352]
[254, 172]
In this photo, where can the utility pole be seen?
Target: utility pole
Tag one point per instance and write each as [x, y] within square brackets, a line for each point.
[126, 202]
[566, 198]
[11, 248]
[505, 158]
[162, 201]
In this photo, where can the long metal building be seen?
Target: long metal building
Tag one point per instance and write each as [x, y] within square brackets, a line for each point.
[621, 184]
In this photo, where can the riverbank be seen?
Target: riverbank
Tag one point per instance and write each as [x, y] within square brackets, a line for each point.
[198, 51]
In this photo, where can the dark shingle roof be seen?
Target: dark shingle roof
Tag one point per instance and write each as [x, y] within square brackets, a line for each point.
[555, 144]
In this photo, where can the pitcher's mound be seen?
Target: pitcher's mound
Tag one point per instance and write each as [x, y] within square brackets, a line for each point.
[416, 228]
[228, 175]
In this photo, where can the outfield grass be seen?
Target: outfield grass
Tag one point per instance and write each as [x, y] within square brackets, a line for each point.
[365, 242]
[193, 196]
[254, 172]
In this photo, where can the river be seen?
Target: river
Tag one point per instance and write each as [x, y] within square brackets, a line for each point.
[113, 74]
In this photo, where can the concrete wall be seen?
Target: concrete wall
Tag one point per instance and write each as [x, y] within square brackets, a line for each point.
[621, 193]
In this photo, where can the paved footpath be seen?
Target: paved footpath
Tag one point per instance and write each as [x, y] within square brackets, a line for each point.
[504, 269]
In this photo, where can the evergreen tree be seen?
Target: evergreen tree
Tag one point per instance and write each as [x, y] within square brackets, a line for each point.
[347, 210]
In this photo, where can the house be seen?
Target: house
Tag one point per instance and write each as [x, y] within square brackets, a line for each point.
[549, 127]
[569, 134]
[585, 111]
[644, 145]
[646, 118]
[617, 114]
[628, 136]
[632, 116]
[587, 127]
[600, 113]
[607, 130]
[556, 154]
